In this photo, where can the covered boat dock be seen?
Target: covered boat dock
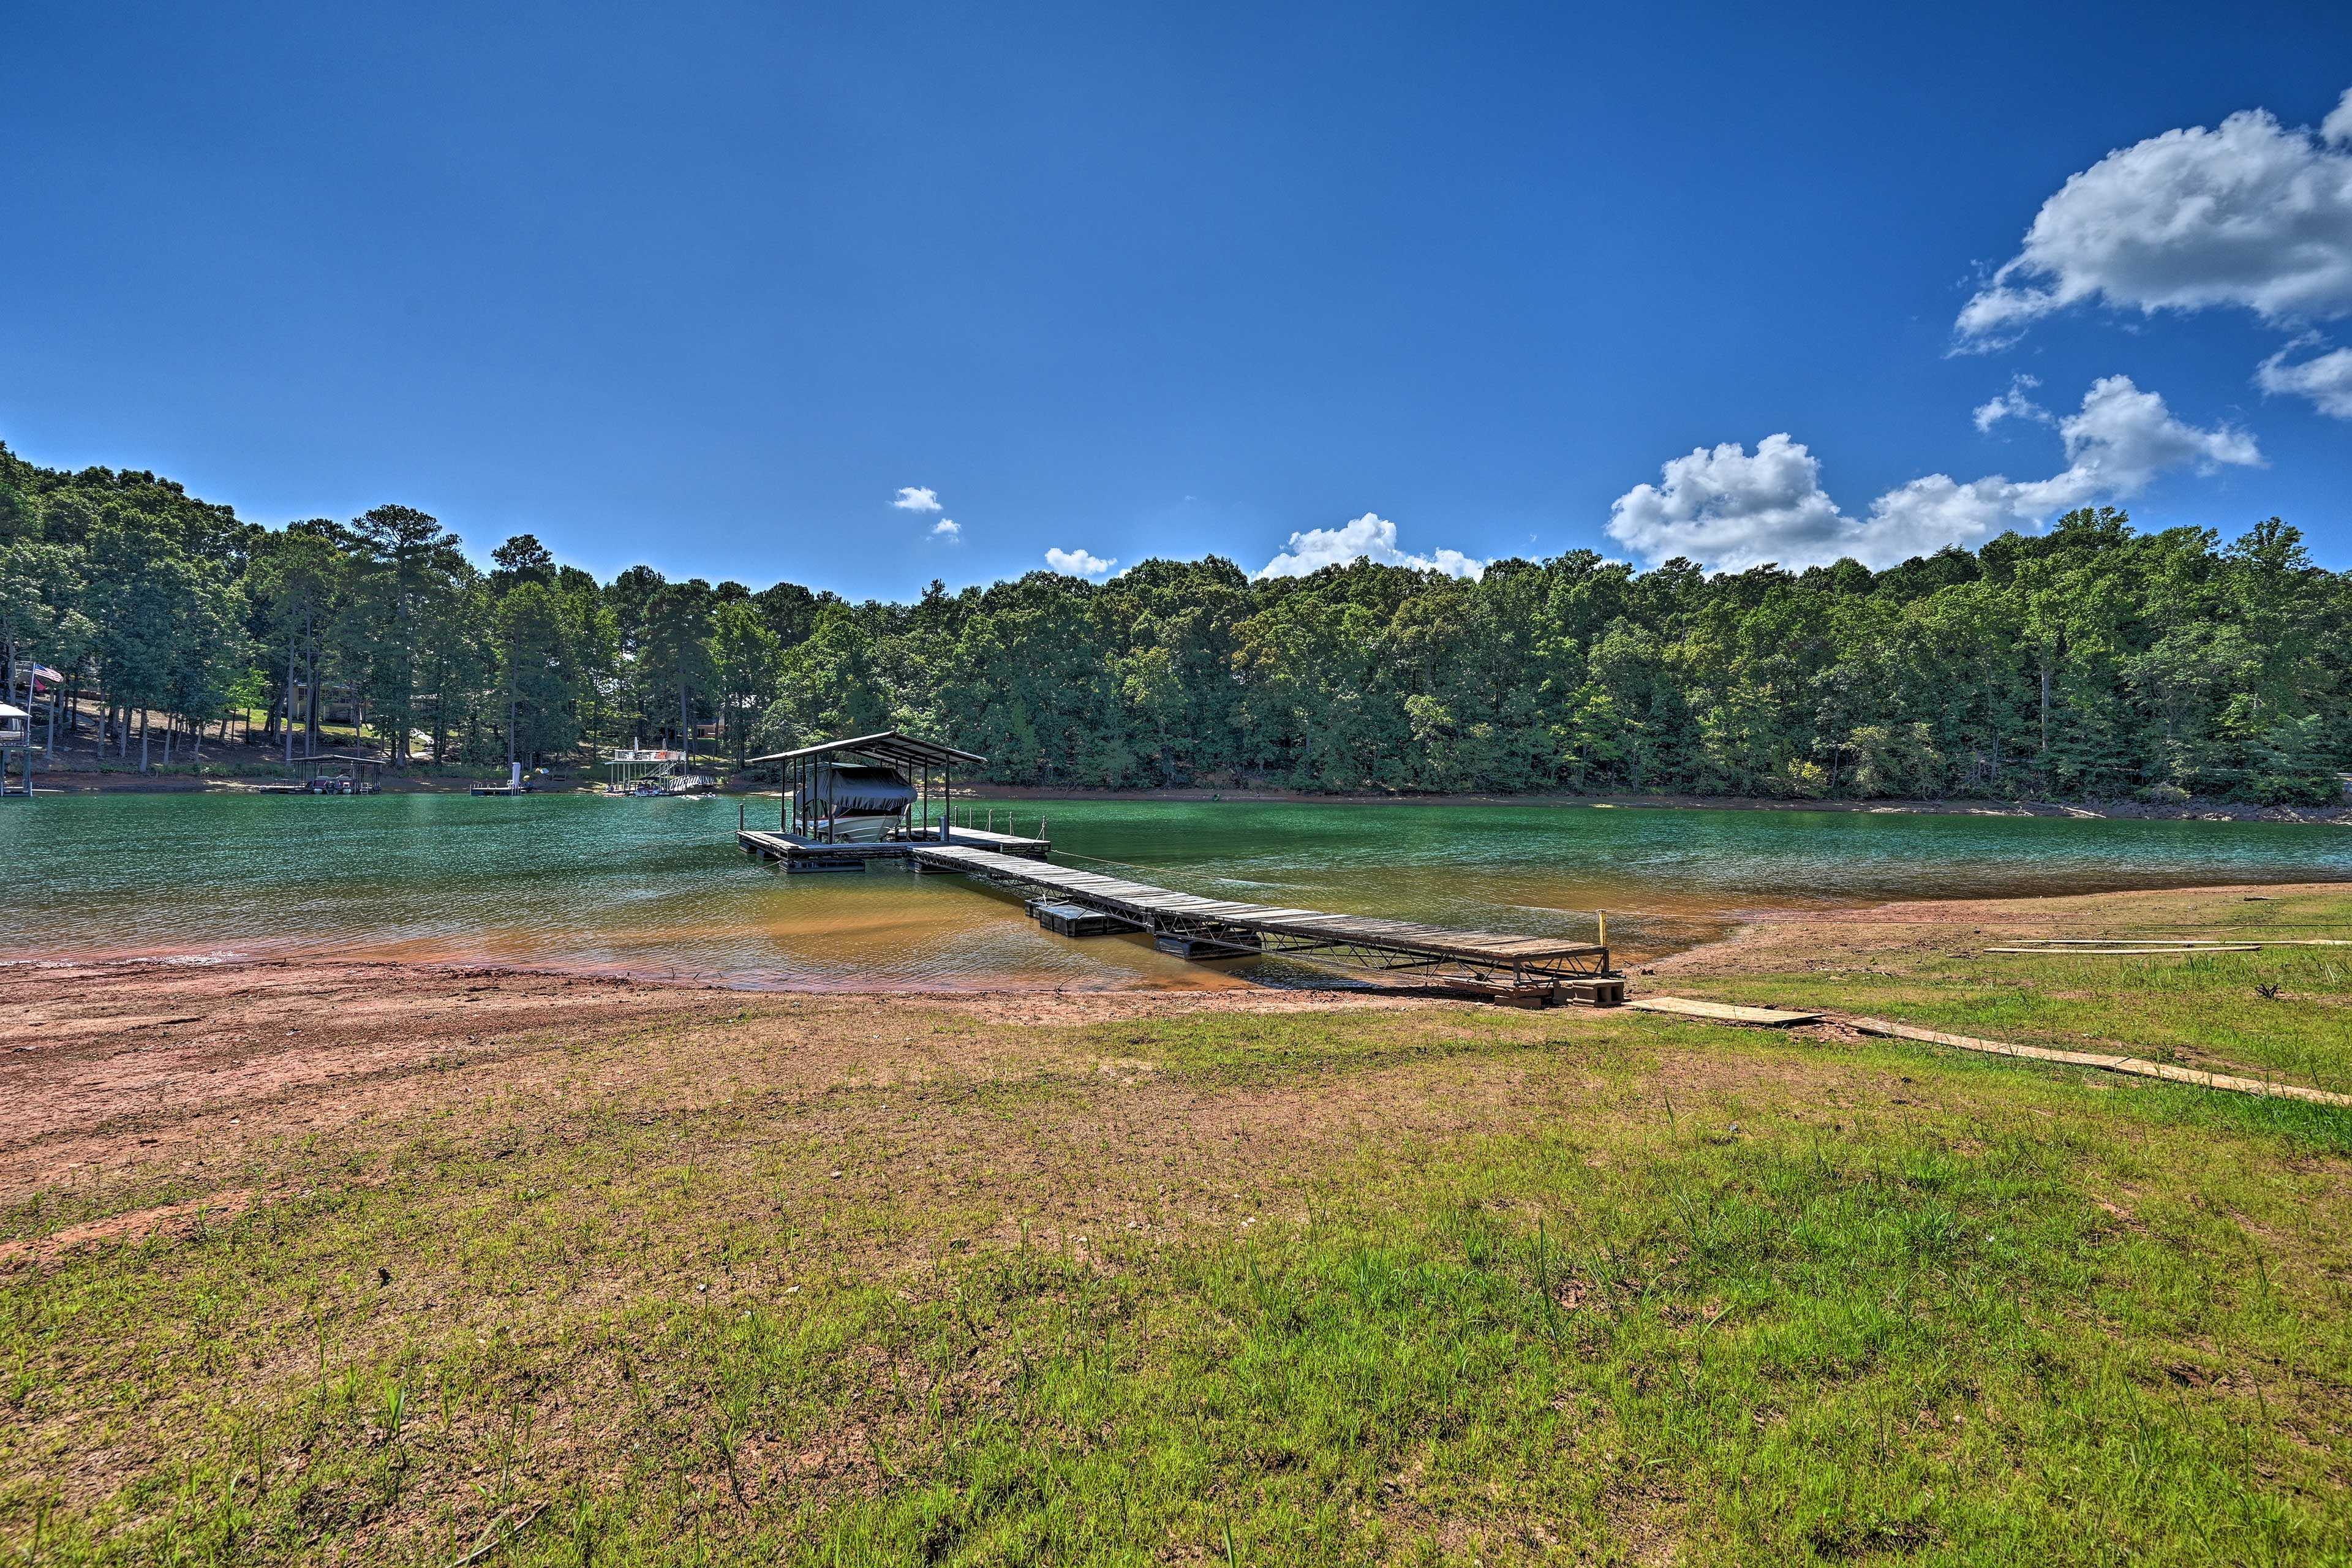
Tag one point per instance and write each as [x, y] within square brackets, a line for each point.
[849, 803]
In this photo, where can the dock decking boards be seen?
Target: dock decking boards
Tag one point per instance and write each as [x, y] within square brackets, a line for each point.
[1202, 927]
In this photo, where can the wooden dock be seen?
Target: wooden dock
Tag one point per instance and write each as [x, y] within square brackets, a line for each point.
[797, 854]
[1522, 970]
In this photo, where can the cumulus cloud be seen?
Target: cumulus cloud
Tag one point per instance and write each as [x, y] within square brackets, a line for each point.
[2250, 213]
[1078, 563]
[2124, 438]
[1368, 538]
[1728, 509]
[2336, 128]
[949, 528]
[2014, 404]
[2326, 379]
[914, 497]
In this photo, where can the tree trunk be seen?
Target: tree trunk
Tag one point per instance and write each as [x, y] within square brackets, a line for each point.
[143, 740]
[310, 685]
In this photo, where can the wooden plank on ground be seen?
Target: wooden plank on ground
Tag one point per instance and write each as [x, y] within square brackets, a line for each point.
[2129, 951]
[2133, 1065]
[1722, 1012]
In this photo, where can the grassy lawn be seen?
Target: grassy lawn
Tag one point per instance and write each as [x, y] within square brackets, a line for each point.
[1445, 1285]
[2283, 1012]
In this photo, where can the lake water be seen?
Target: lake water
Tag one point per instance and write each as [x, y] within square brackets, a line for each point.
[657, 887]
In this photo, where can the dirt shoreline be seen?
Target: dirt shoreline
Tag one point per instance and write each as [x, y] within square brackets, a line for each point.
[109, 1065]
[160, 1062]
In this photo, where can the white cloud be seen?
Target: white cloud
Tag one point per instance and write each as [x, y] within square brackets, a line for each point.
[1368, 537]
[2326, 379]
[1730, 511]
[2249, 213]
[949, 528]
[2336, 128]
[2124, 438]
[1078, 563]
[2012, 405]
[914, 497]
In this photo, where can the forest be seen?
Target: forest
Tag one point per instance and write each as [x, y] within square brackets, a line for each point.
[2093, 661]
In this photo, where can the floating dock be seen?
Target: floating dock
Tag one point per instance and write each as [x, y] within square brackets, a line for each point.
[1522, 970]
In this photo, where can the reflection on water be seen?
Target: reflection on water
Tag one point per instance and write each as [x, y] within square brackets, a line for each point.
[657, 886]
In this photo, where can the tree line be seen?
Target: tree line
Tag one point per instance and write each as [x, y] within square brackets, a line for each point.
[2091, 661]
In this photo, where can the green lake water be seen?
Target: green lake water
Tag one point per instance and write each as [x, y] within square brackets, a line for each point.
[657, 887]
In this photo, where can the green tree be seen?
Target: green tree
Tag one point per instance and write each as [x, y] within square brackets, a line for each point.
[405, 585]
[744, 654]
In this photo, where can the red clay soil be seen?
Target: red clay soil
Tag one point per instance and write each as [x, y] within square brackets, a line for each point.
[170, 1065]
[168, 1220]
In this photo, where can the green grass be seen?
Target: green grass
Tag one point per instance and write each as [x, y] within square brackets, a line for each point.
[1535, 1296]
[2281, 1011]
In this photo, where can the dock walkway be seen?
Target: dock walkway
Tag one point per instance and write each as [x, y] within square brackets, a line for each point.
[1529, 971]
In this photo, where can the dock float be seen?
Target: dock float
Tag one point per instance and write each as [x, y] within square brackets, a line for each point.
[1519, 970]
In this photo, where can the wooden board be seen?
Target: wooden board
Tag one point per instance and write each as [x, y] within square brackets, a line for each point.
[2131, 1065]
[2130, 951]
[1722, 1012]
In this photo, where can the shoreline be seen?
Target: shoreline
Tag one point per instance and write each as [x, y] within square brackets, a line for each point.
[2192, 810]
[583, 1207]
[1230, 991]
[73, 781]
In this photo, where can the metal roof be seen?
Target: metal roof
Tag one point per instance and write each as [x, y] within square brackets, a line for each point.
[10, 710]
[339, 757]
[889, 746]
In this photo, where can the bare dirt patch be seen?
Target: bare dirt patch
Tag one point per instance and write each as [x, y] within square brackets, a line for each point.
[111, 1065]
[168, 1220]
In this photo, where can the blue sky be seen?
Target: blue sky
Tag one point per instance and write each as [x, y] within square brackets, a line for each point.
[708, 287]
